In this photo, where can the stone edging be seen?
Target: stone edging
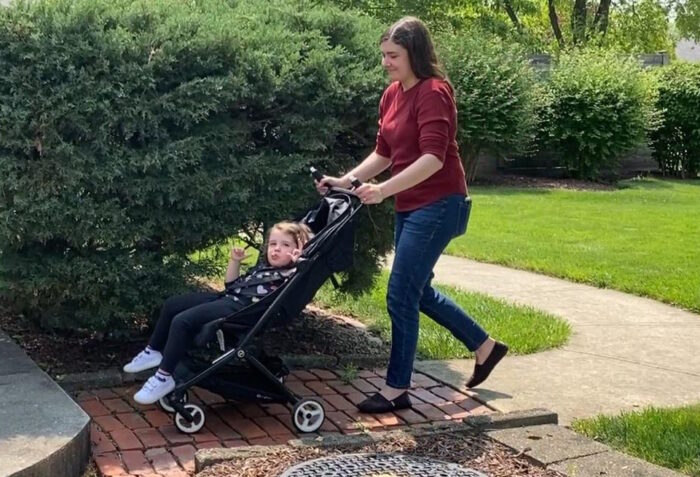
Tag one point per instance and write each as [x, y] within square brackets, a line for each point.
[472, 424]
[569, 453]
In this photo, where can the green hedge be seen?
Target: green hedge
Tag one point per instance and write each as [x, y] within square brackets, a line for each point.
[597, 106]
[133, 133]
[676, 143]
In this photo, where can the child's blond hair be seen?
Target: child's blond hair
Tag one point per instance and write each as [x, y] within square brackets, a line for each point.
[301, 232]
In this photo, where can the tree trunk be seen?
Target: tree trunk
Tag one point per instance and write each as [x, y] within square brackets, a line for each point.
[578, 22]
[554, 20]
[471, 161]
[600, 22]
[512, 15]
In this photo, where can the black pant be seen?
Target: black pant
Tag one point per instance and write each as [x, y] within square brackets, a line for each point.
[181, 318]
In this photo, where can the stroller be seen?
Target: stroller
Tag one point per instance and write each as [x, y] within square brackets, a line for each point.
[241, 373]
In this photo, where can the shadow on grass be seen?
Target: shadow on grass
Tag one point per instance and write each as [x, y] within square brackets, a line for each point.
[648, 184]
[658, 183]
[506, 190]
[645, 183]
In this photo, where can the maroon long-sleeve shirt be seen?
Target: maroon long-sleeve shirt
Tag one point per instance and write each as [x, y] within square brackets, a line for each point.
[422, 120]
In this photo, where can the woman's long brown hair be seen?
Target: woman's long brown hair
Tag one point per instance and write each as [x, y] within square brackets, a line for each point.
[412, 34]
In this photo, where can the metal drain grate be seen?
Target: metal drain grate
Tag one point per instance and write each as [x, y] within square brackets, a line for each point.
[393, 465]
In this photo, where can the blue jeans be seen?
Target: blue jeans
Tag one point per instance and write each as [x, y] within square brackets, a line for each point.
[420, 237]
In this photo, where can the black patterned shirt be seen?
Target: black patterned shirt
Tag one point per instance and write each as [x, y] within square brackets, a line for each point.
[256, 283]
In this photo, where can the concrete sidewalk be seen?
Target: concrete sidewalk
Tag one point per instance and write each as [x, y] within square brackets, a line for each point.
[625, 352]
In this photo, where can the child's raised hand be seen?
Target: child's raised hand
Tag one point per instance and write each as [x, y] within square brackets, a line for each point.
[294, 255]
[238, 254]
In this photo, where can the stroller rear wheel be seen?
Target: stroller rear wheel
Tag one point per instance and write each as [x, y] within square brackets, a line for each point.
[197, 419]
[164, 403]
[308, 415]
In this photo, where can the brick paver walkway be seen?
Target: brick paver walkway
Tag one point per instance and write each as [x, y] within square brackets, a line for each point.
[132, 440]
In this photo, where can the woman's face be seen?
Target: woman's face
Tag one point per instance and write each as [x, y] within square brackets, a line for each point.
[279, 247]
[395, 61]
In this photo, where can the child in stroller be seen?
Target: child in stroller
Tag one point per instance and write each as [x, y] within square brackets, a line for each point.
[183, 316]
[241, 372]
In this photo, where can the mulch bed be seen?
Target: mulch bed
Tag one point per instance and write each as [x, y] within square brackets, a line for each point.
[70, 352]
[476, 452]
[321, 333]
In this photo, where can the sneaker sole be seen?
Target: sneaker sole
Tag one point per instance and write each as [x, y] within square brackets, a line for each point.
[138, 370]
[145, 403]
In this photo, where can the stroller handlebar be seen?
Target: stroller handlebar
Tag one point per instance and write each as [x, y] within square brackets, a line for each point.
[355, 182]
[350, 192]
[316, 174]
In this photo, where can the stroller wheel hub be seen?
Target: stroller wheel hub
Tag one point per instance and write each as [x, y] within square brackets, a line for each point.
[192, 423]
[308, 415]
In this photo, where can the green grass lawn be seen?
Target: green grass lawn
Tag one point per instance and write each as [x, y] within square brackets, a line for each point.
[667, 437]
[524, 329]
[643, 238]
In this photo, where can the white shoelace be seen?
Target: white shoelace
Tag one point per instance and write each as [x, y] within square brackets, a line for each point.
[141, 356]
[152, 383]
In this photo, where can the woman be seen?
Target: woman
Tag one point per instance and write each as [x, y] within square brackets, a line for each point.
[417, 140]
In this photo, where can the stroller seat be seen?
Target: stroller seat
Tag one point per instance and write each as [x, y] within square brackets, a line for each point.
[243, 373]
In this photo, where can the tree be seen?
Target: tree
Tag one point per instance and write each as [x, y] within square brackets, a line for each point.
[538, 25]
[687, 17]
[554, 20]
[640, 27]
[633, 25]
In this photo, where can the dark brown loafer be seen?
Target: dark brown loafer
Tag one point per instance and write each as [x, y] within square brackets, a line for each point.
[482, 371]
[377, 403]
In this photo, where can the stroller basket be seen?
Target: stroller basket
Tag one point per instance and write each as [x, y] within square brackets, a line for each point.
[332, 221]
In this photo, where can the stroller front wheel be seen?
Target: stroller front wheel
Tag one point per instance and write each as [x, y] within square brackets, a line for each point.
[308, 415]
[197, 419]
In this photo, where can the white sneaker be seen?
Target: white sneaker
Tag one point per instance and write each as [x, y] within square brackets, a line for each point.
[156, 387]
[146, 359]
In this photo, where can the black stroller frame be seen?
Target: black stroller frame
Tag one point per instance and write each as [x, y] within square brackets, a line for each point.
[319, 255]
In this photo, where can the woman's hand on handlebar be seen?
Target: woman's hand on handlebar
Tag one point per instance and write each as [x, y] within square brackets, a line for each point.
[328, 181]
[370, 193]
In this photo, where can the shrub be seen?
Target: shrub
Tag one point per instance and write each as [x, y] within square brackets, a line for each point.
[496, 95]
[133, 133]
[676, 143]
[600, 105]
